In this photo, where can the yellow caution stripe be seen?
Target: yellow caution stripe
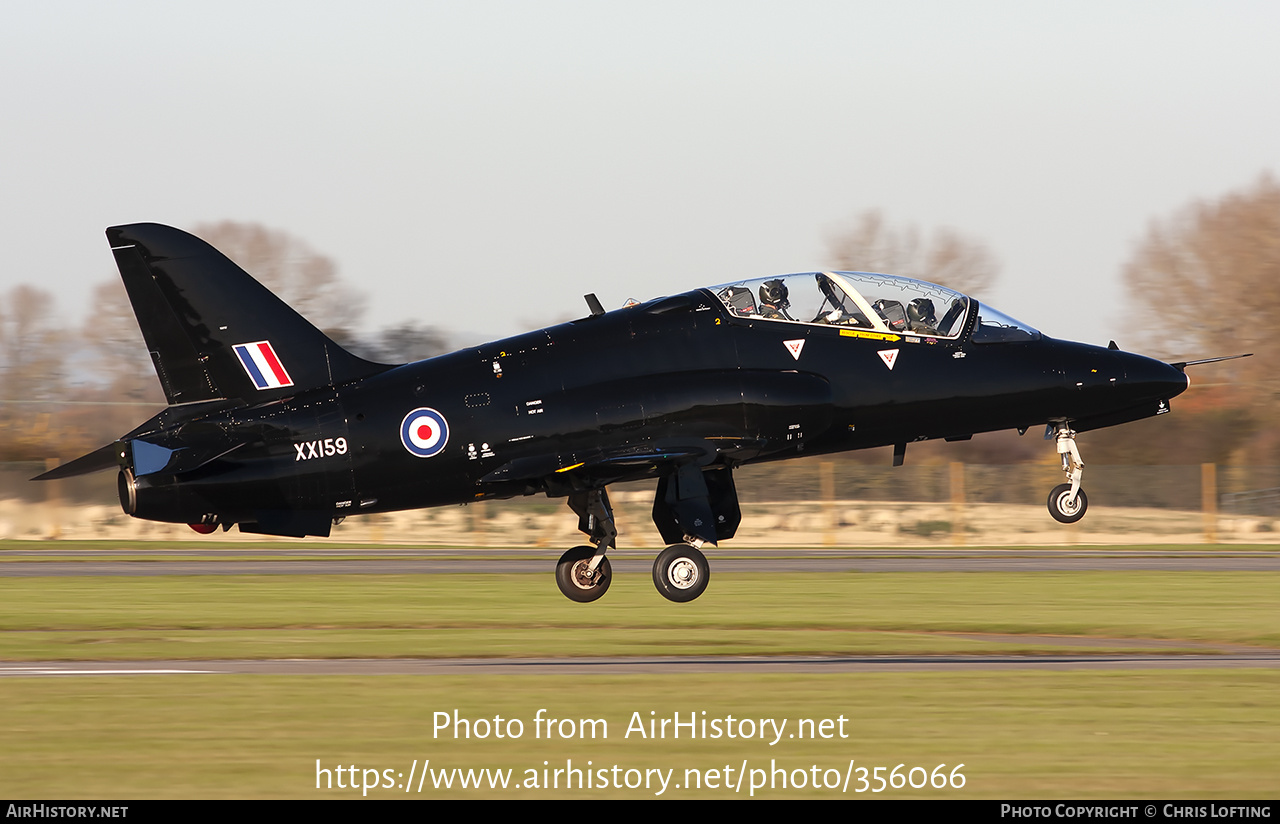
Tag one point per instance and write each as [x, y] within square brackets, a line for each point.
[858, 333]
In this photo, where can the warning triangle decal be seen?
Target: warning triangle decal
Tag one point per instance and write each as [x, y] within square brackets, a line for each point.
[889, 356]
[794, 347]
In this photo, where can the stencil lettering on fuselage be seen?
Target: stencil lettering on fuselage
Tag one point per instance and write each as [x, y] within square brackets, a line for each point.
[325, 448]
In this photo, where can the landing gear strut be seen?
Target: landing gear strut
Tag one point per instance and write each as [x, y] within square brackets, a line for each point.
[1067, 502]
[583, 573]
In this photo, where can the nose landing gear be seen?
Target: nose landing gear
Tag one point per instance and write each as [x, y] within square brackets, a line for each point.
[1067, 502]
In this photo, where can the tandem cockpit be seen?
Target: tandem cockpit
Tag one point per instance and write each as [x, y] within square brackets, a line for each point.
[887, 304]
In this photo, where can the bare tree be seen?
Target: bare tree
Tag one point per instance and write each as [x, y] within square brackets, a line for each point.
[32, 345]
[32, 359]
[301, 277]
[117, 353]
[947, 257]
[403, 343]
[1207, 280]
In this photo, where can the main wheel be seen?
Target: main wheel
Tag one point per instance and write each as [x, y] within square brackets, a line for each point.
[681, 573]
[1061, 509]
[573, 575]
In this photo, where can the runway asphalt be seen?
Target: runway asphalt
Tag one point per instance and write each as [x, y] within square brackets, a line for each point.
[402, 561]
[624, 666]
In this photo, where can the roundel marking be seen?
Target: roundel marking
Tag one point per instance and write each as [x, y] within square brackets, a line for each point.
[424, 432]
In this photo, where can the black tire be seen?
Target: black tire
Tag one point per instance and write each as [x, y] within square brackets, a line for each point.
[1060, 510]
[571, 579]
[681, 573]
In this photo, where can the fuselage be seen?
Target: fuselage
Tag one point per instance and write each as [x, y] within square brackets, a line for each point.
[530, 413]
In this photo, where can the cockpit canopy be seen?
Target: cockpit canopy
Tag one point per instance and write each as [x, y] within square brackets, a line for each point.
[860, 300]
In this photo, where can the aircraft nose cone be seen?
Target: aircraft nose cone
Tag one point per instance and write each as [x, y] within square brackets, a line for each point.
[1110, 386]
[1150, 379]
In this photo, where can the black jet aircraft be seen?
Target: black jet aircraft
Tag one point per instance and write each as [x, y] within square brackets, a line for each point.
[273, 427]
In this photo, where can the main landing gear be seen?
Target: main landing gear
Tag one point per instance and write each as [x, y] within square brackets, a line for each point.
[1067, 502]
[693, 507]
[583, 573]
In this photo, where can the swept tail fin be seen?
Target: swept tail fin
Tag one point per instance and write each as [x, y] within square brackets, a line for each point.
[215, 332]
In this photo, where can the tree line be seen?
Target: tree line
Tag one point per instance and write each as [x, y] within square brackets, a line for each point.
[65, 390]
[1202, 282]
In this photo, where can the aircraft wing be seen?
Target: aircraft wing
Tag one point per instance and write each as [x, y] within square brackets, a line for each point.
[629, 459]
[752, 409]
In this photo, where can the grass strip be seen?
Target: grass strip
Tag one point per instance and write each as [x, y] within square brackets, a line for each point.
[1070, 735]
[447, 615]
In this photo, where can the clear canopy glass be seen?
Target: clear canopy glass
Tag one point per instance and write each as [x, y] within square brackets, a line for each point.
[860, 300]
[997, 327]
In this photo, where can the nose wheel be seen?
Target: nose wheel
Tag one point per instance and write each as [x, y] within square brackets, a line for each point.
[1063, 508]
[681, 573]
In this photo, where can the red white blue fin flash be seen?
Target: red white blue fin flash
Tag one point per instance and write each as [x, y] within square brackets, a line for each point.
[263, 367]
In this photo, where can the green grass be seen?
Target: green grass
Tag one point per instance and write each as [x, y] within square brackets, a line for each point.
[271, 616]
[1074, 735]
[1021, 734]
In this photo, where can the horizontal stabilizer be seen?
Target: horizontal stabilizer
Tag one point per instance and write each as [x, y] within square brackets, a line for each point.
[149, 458]
[107, 457]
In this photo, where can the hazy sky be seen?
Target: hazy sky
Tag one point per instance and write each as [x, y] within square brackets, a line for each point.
[482, 165]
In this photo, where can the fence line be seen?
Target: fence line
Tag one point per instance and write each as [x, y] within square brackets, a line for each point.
[811, 502]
